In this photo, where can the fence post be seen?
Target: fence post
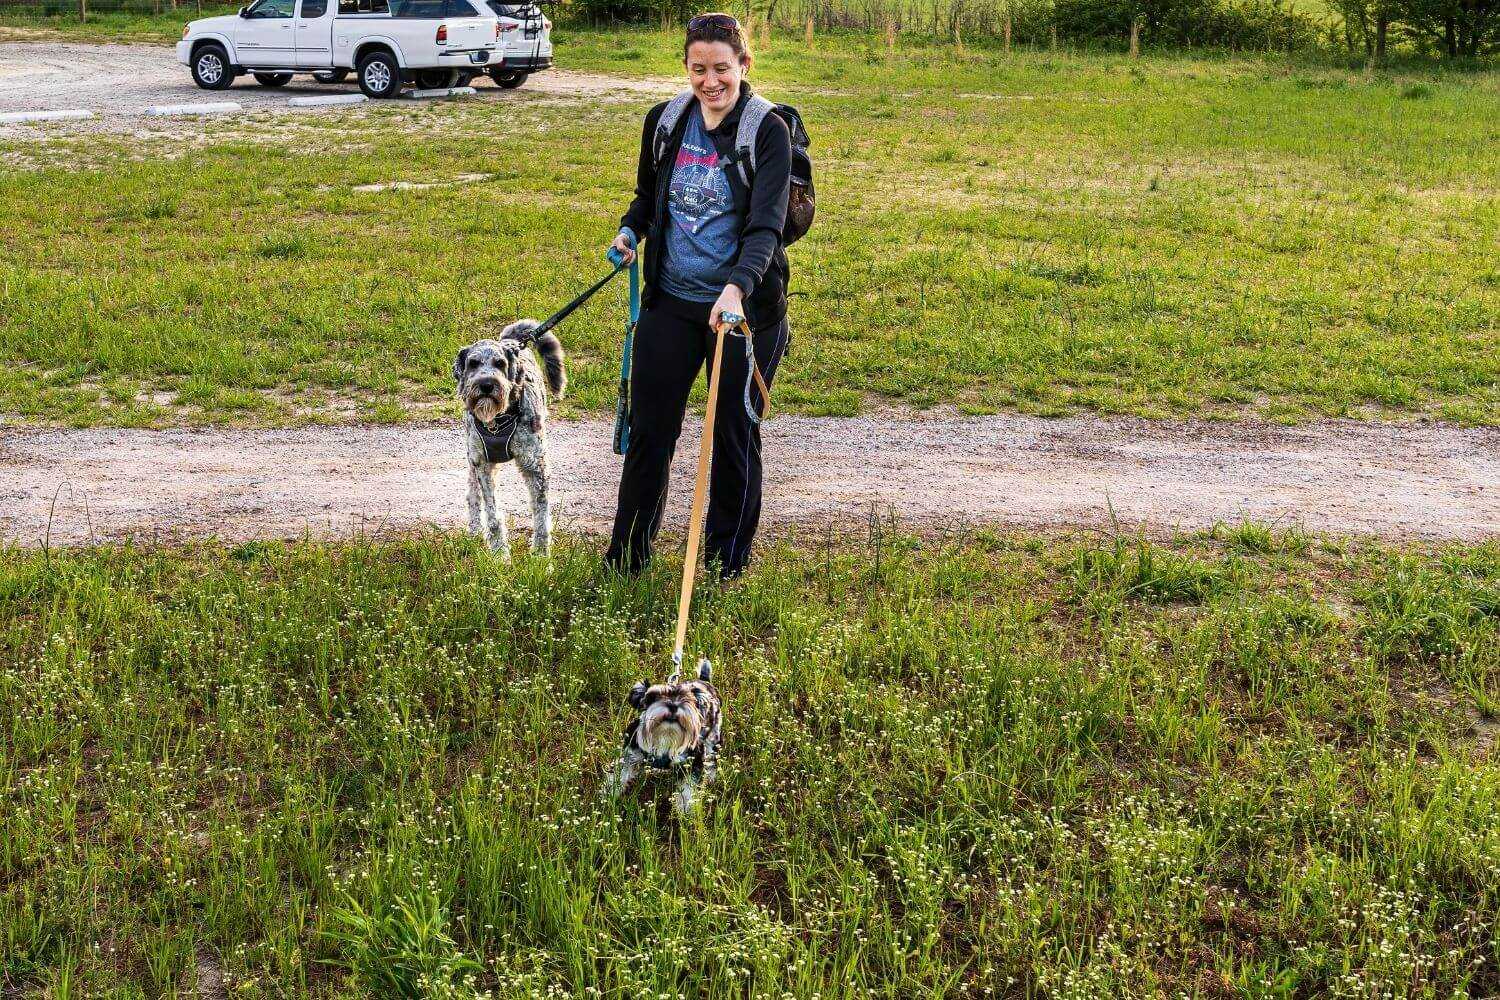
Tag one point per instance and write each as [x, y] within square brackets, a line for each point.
[83, 11]
[1054, 37]
[890, 32]
[1007, 32]
[1135, 37]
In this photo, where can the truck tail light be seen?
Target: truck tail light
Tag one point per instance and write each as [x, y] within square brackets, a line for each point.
[497, 29]
[442, 35]
[505, 27]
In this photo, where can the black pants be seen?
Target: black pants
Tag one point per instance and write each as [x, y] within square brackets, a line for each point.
[672, 343]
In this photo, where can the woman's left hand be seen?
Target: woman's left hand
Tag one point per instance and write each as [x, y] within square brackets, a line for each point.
[731, 300]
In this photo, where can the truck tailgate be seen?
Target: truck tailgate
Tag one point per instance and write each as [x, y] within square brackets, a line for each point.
[466, 33]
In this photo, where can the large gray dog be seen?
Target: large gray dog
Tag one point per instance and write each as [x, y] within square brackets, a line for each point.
[505, 417]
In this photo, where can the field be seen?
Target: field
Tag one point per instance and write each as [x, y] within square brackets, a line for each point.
[1198, 234]
[1245, 764]
[1252, 762]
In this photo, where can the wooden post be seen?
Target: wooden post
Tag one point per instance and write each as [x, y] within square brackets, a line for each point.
[890, 32]
[1135, 37]
[1054, 37]
[809, 36]
[83, 10]
[1007, 32]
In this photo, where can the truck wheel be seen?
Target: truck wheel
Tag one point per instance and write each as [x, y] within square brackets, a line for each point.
[434, 79]
[331, 76]
[513, 81]
[463, 79]
[211, 69]
[273, 79]
[379, 75]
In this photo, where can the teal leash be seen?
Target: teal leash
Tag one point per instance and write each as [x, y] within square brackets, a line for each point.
[622, 406]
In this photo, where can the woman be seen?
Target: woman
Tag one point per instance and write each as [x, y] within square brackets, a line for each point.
[713, 246]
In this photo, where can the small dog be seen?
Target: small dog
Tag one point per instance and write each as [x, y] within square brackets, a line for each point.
[678, 731]
[505, 416]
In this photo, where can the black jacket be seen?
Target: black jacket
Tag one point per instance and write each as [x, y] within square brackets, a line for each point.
[761, 266]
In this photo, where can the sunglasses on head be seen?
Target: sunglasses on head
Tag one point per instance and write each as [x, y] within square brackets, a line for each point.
[713, 21]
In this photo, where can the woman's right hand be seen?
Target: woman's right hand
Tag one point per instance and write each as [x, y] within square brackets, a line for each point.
[623, 244]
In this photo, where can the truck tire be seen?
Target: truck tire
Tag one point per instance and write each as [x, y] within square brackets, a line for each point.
[509, 79]
[435, 79]
[273, 79]
[211, 68]
[331, 76]
[379, 75]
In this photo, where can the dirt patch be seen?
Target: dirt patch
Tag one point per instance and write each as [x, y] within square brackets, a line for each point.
[1397, 481]
[118, 83]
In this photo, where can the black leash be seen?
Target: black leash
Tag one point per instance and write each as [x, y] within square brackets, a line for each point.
[551, 321]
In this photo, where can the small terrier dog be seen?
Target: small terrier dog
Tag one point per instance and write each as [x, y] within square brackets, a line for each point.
[505, 417]
[677, 730]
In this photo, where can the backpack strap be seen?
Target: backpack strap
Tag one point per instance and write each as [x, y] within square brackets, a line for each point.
[755, 112]
[670, 116]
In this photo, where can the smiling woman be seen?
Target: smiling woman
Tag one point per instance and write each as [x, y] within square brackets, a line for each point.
[714, 248]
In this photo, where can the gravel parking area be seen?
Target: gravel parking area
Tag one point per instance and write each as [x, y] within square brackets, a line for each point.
[118, 83]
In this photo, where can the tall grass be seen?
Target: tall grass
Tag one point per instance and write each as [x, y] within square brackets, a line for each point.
[982, 766]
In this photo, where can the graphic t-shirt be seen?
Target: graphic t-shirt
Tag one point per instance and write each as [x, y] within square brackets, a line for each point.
[703, 230]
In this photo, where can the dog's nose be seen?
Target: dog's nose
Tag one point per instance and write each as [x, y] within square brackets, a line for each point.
[486, 385]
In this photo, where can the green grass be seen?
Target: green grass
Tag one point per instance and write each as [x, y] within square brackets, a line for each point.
[985, 765]
[1182, 235]
[108, 26]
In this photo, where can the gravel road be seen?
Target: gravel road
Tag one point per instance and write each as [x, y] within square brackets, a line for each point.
[1411, 481]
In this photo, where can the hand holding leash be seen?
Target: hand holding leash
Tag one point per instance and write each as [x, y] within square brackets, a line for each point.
[622, 250]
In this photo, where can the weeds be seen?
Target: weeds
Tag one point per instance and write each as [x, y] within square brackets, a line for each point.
[373, 769]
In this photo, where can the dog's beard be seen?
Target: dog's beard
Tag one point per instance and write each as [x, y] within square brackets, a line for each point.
[485, 409]
[668, 737]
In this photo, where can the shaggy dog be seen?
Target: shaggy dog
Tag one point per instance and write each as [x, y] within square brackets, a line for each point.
[505, 417]
[677, 730]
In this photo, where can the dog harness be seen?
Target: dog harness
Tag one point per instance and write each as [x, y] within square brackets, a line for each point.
[497, 435]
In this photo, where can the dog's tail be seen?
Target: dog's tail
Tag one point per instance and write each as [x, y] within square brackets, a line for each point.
[550, 348]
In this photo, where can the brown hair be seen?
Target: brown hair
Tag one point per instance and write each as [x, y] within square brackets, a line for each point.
[717, 28]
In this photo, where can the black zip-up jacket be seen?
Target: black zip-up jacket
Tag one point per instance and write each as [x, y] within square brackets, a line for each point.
[760, 269]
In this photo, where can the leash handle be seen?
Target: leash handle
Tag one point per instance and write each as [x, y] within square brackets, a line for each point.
[622, 405]
[700, 487]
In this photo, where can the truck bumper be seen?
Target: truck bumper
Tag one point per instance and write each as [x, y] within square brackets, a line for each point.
[185, 51]
[473, 57]
[527, 63]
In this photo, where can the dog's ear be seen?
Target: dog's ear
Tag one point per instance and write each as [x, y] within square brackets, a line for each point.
[458, 364]
[638, 695]
[705, 670]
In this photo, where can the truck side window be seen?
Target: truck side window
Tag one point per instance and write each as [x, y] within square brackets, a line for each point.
[461, 8]
[314, 8]
[364, 7]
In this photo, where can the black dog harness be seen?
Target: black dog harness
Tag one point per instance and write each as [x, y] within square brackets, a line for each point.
[497, 435]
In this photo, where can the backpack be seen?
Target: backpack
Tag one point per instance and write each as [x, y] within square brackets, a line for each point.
[801, 201]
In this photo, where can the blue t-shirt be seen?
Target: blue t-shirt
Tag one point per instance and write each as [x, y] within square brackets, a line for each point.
[703, 231]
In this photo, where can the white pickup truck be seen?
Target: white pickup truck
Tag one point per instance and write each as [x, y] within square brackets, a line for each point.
[388, 43]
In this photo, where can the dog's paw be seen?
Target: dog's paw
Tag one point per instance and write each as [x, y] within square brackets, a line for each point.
[685, 800]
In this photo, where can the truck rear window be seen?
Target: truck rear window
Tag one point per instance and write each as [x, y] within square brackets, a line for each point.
[433, 9]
